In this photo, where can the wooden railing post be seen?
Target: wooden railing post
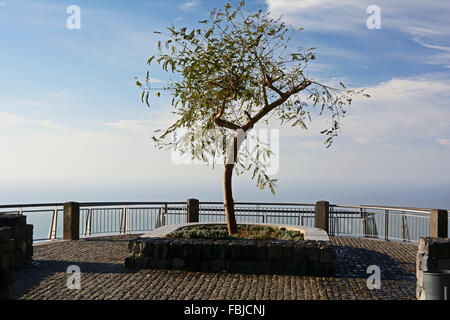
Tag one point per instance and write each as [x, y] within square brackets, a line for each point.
[192, 210]
[322, 211]
[71, 221]
[438, 223]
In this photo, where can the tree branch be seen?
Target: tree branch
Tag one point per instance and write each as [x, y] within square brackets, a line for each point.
[283, 97]
[263, 92]
[224, 123]
[270, 82]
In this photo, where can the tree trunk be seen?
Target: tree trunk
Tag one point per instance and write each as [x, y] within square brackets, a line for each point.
[228, 198]
[227, 177]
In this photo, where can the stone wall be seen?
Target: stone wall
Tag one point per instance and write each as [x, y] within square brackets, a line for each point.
[432, 254]
[243, 256]
[16, 248]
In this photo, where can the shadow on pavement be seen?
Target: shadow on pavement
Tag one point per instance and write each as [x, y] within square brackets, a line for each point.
[352, 262]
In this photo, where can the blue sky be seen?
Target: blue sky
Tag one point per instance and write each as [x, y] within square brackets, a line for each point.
[72, 126]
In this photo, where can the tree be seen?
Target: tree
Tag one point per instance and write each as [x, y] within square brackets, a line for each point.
[235, 70]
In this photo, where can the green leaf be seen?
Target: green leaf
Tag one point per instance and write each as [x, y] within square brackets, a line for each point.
[271, 188]
[146, 100]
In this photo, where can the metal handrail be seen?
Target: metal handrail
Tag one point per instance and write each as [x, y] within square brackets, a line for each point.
[132, 203]
[28, 205]
[89, 204]
[409, 209]
[241, 209]
[261, 203]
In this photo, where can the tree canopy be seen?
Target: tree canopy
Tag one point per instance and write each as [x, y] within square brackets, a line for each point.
[236, 69]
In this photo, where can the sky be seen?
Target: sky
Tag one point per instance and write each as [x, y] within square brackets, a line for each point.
[73, 128]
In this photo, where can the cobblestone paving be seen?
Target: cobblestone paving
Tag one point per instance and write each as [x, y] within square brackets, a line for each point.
[105, 277]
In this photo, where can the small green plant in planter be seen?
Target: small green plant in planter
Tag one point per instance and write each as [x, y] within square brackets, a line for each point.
[220, 232]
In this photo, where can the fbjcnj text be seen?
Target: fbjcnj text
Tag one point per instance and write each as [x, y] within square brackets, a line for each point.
[233, 309]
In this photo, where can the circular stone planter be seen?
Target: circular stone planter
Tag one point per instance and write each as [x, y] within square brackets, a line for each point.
[312, 256]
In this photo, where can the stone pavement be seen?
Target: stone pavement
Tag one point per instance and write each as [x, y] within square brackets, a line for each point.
[103, 275]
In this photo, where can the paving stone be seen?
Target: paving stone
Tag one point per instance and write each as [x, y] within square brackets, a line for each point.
[104, 276]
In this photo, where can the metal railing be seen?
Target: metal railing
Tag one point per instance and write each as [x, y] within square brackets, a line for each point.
[270, 213]
[388, 223]
[129, 218]
[100, 218]
[44, 214]
[105, 218]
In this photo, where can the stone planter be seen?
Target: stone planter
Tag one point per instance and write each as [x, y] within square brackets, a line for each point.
[16, 248]
[307, 257]
[433, 254]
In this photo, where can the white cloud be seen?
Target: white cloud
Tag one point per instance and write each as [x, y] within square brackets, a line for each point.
[393, 138]
[442, 48]
[156, 80]
[56, 99]
[191, 4]
[8, 121]
[160, 120]
[401, 109]
[133, 125]
[43, 152]
[424, 32]
[322, 15]
[443, 141]
[418, 18]
[366, 140]
[399, 113]
[440, 58]
[311, 144]
[424, 22]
